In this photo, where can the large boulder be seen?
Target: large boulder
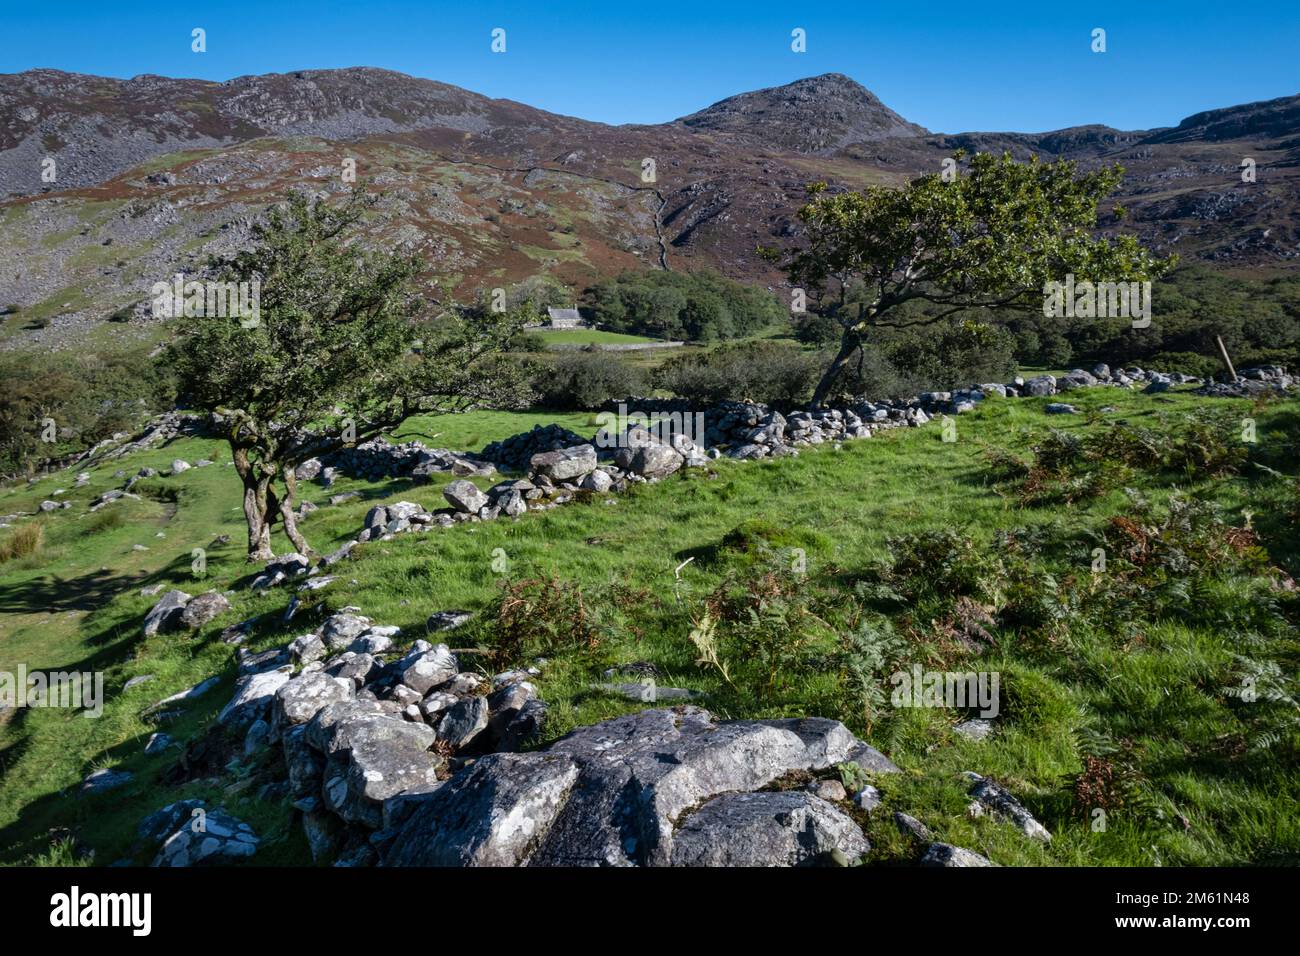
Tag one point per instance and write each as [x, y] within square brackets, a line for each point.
[782, 828]
[617, 791]
[1076, 379]
[1040, 385]
[383, 756]
[565, 464]
[655, 461]
[492, 814]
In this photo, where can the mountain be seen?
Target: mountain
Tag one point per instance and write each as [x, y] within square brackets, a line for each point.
[820, 115]
[154, 175]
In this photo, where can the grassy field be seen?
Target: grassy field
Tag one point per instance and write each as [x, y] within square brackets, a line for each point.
[588, 337]
[1120, 686]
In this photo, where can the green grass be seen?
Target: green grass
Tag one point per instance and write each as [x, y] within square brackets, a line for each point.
[589, 337]
[1156, 692]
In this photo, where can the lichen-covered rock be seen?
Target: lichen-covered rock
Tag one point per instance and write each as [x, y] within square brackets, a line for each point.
[433, 667]
[166, 614]
[464, 496]
[298, 700]
[254, 694]
[463, 722]
[216, 837]
[376, 758]
[615, 794]
[492, 814]
[782, 828]
[340, 630]
[997, 798]
[945, 854]
[564, 464]
[203, 608]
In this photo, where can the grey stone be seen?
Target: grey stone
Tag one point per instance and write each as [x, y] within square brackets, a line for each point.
[597, 481]
[975, 729]
[564, 464]
[157, 825]
[298, 700]
[203, 608]
[102, 780]
[447, 620]
[253, 696]
[433, 667]
[492, 814]
[464, 496]
[1040, 385]
[463, 722]
[342, 629]
[307, 648]
[166, 614]
[867, 799]
[218, 840]
[767, 829]
[832, 791]
[945, 854]
[997, 798]
[910, 826]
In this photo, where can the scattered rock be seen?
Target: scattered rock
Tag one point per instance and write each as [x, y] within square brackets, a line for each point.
[945, 854]
[202, 609]
[166, 614]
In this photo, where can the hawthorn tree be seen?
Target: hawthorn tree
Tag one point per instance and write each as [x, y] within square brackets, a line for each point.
[338, 354]
[990, 238]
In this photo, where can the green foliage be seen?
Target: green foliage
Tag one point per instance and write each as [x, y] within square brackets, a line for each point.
[949, 354]
[1069, 466]
[770, 372]
[542, 615]
[336, 355]
[989, 239]
[586, 380]
[696, 306]
[88, 395]
[1259, 320]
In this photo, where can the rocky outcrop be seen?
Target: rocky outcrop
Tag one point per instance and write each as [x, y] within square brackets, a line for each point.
[622, 792]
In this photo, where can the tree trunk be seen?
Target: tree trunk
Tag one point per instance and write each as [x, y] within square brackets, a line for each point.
[255, 507]
[288, 517]
[259, 524]
[848, 345]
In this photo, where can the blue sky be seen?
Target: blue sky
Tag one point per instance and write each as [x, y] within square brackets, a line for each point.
[948, 66]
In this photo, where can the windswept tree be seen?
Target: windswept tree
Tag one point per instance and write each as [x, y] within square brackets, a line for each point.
[991, 238]
[338, 353]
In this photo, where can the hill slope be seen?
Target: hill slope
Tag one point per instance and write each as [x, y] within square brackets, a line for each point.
[155, 174]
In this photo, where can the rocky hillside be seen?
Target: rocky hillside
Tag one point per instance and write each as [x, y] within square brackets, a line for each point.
[821, 115]
[154, 174]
